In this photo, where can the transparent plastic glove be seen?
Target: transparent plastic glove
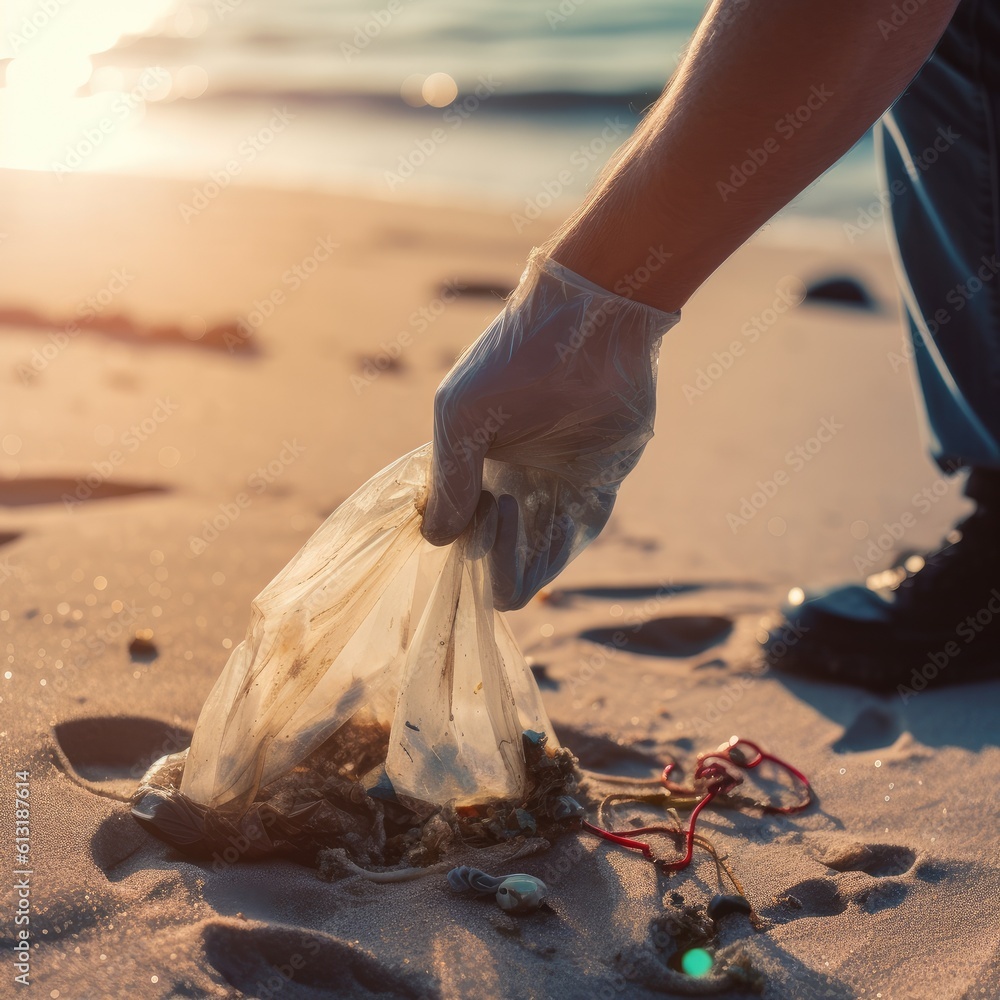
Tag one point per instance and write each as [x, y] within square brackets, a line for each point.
[556, 399]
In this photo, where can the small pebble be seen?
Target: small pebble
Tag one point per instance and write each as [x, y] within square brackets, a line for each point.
[142, 648]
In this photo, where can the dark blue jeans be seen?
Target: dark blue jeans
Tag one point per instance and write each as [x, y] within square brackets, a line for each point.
[942, 173]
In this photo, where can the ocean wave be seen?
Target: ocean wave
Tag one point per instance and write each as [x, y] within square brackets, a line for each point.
[521, 102]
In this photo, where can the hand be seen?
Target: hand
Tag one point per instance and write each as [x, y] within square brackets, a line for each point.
[548, 410]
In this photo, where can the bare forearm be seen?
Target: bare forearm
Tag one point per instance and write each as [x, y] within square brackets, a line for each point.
[769, 94]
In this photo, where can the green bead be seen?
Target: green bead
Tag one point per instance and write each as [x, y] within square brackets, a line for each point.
[697, 962]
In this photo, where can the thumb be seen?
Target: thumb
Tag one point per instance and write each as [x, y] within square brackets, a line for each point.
[456, 483]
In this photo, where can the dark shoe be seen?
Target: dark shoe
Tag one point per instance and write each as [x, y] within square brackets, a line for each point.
[934, 620]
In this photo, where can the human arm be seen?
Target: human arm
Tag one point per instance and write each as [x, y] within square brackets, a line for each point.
[795, 82]
[669, 195]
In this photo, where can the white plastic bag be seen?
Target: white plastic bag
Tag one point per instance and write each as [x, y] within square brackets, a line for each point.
[369, 629]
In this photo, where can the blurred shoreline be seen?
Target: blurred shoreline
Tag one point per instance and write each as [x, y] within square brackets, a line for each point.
[516, 106]
[467, 153]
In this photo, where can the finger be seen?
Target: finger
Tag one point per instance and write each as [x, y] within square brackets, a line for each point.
[530, 552]
[522, 563]
[506, 557]
[456, 479]
[548, 562]
[484, 527]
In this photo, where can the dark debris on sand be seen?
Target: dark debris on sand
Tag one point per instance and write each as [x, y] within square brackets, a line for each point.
[323, 803]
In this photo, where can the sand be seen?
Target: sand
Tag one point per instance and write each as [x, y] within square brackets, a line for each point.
[231, 377]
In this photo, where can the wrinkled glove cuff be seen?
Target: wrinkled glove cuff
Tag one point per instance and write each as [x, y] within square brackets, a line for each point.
[655, 322]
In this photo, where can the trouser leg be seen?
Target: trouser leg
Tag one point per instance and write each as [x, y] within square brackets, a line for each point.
[940, 162]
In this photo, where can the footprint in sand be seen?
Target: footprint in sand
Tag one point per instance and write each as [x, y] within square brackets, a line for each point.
[868, 877]
[564, 596]
[66, 914]
[674, 636]
[641, 592]
[115, 841]
[26, 492]
[882, 897]
[304, 965]
[879, 860]
[110, 755]
[815, 897]
[933, 872]
[873, 729]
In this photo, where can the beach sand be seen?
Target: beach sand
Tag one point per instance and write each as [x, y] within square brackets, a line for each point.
[159, 466]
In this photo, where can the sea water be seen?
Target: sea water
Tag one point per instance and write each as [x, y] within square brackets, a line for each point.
[544, 91]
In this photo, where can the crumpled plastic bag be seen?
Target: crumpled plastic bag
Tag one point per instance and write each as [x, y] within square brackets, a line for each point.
[376, 686]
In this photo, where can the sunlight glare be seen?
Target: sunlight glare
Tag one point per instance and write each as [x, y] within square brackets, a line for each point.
[47, 121]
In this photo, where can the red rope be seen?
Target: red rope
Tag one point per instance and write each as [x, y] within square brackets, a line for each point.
[725, 781]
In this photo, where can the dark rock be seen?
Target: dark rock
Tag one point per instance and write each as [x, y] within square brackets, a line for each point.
[841, 290]
[721, 906]
[142, 649]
